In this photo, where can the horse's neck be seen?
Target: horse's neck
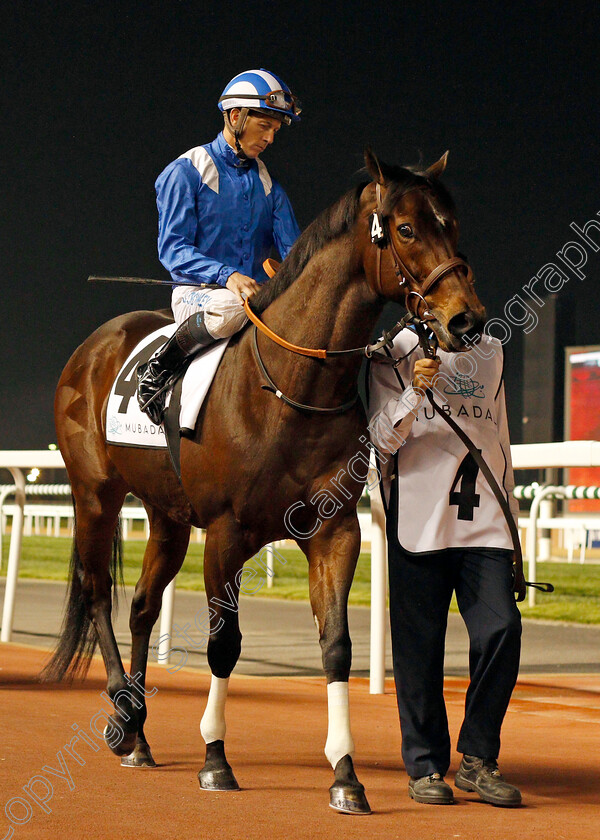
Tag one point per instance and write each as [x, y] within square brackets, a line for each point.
[331, 307]
[328, 303]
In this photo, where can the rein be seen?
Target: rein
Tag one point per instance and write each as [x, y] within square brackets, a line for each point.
[313, 353]
[271, 386]
[270, 267]
[293, 348]
[520, 584]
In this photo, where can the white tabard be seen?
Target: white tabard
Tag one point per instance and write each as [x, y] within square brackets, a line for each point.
[439, 497]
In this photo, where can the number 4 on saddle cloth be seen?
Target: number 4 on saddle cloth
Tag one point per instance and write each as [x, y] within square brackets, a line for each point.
[126, 425]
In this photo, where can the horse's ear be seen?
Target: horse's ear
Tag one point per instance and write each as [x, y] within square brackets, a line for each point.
[373, 166]
[437, 168]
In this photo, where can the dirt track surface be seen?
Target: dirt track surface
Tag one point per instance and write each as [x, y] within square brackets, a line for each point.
[276, 732]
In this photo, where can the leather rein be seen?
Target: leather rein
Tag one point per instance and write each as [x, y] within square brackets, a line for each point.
[520, 584]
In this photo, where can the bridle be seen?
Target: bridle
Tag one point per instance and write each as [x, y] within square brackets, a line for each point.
[416, 290]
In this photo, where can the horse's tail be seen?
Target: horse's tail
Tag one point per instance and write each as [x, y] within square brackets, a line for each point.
[78, 638]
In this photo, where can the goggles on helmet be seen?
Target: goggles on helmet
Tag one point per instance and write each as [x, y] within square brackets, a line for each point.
[283, 101]
[279, 100]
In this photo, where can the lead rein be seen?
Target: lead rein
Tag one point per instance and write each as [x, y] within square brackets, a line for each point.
[520, 584]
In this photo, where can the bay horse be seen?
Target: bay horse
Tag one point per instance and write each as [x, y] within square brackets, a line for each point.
[253, 457]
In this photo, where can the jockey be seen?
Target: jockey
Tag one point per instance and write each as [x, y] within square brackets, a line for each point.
[220, 212]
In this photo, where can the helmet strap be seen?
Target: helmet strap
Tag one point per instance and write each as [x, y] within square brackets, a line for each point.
[237, 130]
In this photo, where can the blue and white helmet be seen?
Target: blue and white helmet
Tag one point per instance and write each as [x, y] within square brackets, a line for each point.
[260, 90]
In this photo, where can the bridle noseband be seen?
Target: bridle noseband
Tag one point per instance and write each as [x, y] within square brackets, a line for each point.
[416, 290]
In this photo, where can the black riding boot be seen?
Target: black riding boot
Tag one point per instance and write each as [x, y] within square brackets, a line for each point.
[155, 376]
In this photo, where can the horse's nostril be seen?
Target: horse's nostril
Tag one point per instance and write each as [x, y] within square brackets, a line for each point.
[466, 325]
[460, 324]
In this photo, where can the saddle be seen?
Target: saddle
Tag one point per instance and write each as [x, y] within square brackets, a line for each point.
[126, 425]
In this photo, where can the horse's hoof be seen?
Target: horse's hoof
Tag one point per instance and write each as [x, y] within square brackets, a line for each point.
[125, 746]
[140, 757]
[217, 779]
[346, 794]
[348, 799]
[216, 773]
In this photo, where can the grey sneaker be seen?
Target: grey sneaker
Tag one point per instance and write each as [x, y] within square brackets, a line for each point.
[430, 790]
[482, 776]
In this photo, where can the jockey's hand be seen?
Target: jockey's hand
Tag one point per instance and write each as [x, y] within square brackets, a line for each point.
[425, 372]
[241, 286]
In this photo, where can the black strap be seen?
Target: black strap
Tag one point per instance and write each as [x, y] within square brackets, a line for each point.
[339, 409]
[482, 464]
[171, 426]
[520, 584]
[173, 435]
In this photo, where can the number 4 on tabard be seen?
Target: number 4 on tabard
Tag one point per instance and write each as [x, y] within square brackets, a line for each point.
[466, 499]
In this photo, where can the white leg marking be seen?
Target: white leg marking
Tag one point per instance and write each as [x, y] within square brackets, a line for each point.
[339, 738]
[212, 725]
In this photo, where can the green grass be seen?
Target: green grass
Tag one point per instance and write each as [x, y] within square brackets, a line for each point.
[577, 595]
[48, 558]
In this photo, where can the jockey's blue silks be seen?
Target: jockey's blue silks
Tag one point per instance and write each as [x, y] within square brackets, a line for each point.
[217, 217]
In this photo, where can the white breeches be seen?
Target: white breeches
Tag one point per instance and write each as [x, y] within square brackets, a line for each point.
[224, 314]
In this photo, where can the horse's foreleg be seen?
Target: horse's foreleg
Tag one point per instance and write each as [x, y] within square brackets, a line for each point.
[164, 555]
[224, 556]
[332, 554]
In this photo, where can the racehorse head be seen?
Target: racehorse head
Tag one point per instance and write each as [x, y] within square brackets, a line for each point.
[411, 255]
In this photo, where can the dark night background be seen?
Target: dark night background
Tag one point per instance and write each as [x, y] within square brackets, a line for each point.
[99, 97]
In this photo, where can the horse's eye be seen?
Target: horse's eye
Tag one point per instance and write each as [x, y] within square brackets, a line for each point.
[406, 231]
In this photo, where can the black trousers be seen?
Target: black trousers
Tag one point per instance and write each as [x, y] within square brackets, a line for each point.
[421, 588]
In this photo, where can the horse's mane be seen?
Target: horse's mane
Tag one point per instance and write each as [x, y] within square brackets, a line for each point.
[339, 218]
[330, 224]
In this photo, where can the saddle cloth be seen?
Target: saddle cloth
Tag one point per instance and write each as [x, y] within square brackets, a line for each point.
[126, 425]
